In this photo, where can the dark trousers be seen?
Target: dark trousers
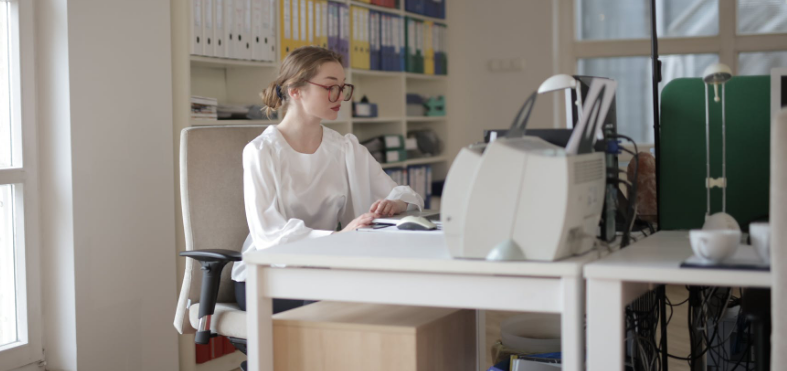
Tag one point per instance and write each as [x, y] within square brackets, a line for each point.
[279, 305]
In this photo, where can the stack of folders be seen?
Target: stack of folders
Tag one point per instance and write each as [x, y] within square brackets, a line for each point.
[419, 178]
[387, 148]
[204, 108]
[377, 40]
[429, 8]
[426, 47]
[236, 29]
[315, 23]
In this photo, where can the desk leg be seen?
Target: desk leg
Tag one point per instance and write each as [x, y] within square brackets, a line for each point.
[572, 321]
[605, 325]
[259, 321]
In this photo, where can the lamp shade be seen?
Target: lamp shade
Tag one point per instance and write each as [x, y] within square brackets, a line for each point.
[557, 82]
[717, 73]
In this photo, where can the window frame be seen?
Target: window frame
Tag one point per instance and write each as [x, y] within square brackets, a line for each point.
[29, 347]
[728, 44]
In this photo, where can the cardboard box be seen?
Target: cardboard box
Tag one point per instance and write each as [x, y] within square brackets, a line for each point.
[332, 336]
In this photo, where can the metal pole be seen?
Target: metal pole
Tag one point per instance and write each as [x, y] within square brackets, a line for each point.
[654, 51]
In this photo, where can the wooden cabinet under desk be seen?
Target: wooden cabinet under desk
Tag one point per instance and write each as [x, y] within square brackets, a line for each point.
[330, 336]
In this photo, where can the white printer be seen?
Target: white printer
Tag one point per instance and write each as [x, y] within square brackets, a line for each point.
[522, 198]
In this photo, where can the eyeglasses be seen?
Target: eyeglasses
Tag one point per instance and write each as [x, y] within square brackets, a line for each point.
[334, 91]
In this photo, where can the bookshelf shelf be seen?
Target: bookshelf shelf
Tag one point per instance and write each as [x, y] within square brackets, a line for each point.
[200, 61]
[426, 118]
[417, 161]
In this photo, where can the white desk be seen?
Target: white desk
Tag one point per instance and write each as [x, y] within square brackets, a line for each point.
[620, 278]
[408, 269]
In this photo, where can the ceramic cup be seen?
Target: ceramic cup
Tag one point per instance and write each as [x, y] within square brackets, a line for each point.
[760, 234]
[714, 246]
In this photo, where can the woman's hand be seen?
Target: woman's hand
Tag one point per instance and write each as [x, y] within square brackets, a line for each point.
[361, 221]
[388, 207]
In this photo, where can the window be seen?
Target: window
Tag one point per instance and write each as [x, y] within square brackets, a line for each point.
[760, 63]
[611, 38]
[615, 19]
[20, 317]
[634, 103]
[762, 16]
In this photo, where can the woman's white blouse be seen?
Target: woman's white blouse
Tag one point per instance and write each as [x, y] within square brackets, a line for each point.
[291, 196]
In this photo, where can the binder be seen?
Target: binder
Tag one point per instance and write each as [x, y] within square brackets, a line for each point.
[374, 40]
[207, 28]
[444, 50]
[401, 43]
[333, 27]
[384, 34]
[303, 22]
[295, 24]
[428, 48]
[257, 38]
[411, 48]
[344, 32]
[242, 28]
[355, 58]
[267, 42]
[196, 28]
[285, 28]
[324, 23]
[310, 22]
[437, 45]
[219, 45]
[317, 23]
[419, 47]
[365, 40]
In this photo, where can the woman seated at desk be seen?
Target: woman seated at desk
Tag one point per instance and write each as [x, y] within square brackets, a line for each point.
[301, 179]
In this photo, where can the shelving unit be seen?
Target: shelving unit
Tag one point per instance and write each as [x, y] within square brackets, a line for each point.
[233, 81]
[240, 82]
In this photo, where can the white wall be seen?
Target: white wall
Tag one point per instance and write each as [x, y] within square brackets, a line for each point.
[497, 29]
[105, 102]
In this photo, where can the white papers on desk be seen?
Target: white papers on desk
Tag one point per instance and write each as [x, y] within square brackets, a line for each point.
[393, 229]
[744, 258]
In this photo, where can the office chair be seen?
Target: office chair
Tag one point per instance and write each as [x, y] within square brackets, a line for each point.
[214, 219]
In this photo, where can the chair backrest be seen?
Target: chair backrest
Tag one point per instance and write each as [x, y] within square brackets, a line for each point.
[778, 223]
[211, 189]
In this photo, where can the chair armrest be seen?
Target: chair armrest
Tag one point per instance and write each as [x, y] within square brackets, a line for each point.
[213, 255]
[213, 262]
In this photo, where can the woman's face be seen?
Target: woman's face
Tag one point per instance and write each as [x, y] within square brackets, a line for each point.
[315, 99]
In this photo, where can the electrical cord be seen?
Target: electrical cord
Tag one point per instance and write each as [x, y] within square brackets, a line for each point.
[632, 213]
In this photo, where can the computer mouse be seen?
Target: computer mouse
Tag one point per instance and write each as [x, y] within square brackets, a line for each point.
[415, 223]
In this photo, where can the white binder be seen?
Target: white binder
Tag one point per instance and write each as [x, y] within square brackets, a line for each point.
[257, 39]
[219, 44]
[228, 23]
[264, 40]
[196, 28]
[242, 29]
[207, 28]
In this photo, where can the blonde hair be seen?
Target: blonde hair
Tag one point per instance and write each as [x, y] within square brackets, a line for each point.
[298, 67]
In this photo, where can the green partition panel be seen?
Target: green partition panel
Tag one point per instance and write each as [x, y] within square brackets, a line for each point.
[682, 177]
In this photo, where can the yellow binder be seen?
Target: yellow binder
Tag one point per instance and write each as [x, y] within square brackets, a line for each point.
[356, 40]
[321, 23]
[428, 48]
[285, 29]
[366, 47]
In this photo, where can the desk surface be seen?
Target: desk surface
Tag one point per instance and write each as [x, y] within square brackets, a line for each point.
[657, 259]
[408, 252]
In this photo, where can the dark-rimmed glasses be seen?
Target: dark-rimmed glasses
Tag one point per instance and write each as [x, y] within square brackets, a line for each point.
[334, 91]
